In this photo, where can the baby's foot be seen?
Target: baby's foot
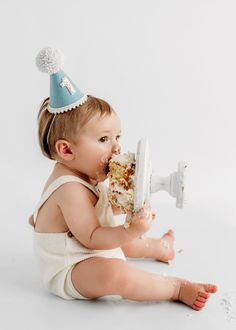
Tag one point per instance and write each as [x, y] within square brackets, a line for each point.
[165, 247]
[195, 295]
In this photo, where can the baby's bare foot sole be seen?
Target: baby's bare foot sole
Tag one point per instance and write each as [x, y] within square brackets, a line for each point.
[195, 295]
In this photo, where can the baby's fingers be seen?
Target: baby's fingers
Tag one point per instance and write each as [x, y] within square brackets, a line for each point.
[129, 215]
[147, 204]
[146, 213]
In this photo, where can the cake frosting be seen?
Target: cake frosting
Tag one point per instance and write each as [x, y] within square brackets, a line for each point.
[121, 181]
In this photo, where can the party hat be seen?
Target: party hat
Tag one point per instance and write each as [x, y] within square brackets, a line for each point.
[64, 94]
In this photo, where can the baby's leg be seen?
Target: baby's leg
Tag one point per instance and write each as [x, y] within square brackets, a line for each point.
[97, 277]
[161, 249]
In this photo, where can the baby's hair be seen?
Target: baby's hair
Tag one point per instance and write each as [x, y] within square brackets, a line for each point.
[66, 125]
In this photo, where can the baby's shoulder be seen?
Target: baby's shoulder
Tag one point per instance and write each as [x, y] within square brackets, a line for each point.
[73, 191]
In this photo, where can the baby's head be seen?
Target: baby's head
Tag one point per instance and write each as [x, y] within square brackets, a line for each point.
[84, 139]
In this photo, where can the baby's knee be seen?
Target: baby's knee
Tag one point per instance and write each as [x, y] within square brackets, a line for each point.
[118, 277]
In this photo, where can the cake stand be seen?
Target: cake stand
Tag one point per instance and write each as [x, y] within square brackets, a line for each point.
[147, 183]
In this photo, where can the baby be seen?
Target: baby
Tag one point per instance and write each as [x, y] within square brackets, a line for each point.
[81, 251]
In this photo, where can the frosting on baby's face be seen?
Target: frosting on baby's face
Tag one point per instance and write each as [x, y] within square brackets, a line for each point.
[98, 140]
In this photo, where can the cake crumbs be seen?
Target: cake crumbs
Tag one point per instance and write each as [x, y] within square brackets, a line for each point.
[228, 302]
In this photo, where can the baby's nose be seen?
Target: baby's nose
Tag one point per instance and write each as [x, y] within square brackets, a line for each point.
[116, 149]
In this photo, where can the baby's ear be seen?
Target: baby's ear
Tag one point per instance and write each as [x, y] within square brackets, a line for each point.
[64, 150]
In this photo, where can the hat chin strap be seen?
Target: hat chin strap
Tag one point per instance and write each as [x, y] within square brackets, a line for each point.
[50, 128]
[56, 111]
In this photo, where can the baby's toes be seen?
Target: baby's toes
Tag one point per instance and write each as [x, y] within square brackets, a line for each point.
[170, 232]
[199, 303]
[203, 295]
[196, 307]
[211, 288]
[201, 299]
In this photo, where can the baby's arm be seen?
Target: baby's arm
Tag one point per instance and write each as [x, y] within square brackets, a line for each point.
[79, 214]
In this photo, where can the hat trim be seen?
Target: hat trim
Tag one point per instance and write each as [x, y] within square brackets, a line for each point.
[69, 106]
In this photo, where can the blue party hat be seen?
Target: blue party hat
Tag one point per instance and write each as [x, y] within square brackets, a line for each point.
[64, 94]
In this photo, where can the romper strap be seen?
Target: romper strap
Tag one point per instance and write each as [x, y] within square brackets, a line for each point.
[55, 185]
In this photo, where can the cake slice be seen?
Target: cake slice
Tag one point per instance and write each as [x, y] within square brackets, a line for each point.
[121, 181]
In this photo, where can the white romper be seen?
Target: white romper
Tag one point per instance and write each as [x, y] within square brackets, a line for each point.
[58, 253]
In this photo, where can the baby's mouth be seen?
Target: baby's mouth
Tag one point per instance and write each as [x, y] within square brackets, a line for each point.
[107, 166]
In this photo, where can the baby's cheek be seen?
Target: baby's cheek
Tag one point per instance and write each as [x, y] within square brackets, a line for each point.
[104, 160]
[100, 169]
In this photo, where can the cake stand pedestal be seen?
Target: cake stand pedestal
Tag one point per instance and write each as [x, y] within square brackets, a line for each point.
[146, 182]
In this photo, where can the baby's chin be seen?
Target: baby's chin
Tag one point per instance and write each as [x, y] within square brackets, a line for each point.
[99, 178]
[103, 178]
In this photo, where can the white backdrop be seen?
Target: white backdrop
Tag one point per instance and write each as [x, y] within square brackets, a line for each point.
[167, 67]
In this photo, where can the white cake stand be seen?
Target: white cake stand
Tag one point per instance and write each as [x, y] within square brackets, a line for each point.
[147, 183]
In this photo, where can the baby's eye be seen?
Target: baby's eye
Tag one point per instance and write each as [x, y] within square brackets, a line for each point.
[118, 137]
[104, 139]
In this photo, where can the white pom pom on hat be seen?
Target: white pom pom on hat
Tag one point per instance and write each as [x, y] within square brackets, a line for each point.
[49, 60]
[64, 94]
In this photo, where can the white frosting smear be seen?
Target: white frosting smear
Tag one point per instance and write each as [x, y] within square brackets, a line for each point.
[124, 159]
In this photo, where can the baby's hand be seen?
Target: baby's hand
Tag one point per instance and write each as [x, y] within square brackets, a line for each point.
[138, 223]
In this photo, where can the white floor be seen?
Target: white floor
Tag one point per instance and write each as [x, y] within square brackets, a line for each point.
[207, 255]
